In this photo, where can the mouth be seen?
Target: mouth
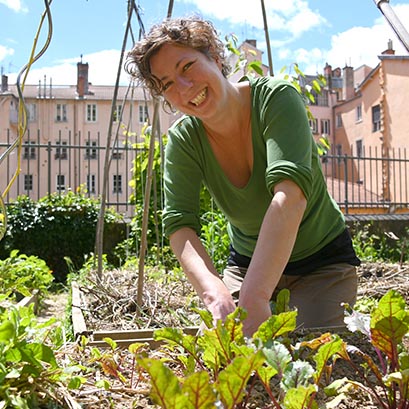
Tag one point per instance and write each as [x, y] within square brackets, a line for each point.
[199, 98]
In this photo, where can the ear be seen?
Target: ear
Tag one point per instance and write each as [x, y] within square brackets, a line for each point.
[218, 62]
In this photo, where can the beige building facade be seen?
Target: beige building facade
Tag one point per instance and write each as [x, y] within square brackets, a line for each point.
[364, 112]
[67, 130]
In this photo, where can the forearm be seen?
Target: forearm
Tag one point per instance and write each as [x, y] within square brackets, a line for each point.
[201, 272]
[274, 245]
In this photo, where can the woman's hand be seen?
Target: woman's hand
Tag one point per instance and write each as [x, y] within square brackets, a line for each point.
[198, 267]
[258, 311]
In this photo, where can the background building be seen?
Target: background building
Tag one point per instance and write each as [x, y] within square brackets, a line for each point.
[67, 129]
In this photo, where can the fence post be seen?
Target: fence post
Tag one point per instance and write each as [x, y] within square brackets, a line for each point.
[346, 183]
[49, 168]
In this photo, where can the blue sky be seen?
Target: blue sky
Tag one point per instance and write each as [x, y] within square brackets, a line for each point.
[309, 32]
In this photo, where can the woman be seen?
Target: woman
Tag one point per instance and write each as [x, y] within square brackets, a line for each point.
[250, 144]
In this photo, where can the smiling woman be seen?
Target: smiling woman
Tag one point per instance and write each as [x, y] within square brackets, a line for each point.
[250, 144]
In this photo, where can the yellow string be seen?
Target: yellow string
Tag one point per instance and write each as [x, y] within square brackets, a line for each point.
[22, 110]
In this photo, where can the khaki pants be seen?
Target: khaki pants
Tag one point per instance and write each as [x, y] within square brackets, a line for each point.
[318, 296]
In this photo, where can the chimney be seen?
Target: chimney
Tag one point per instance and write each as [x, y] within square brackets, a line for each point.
[82, 79]
[252, 42]
[4, 83]
[389, 50]
[328, 75]
[348, 90]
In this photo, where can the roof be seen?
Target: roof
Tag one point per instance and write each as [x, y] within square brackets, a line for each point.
[67, 92]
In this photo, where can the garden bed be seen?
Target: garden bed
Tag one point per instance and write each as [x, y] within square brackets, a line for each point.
[109, 307]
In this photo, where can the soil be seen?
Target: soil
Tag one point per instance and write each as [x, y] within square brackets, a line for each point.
[111, 305]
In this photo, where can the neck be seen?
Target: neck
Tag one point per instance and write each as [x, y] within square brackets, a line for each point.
[236, 115]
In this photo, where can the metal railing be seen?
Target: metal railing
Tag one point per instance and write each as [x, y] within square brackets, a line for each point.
[373, 182]
[68, 164]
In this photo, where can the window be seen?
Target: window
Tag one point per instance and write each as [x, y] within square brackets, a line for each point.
[28, 182]
[314, 125]
[339, 121]
[376, 118]
[143, 114]
[321, 99]
[117, 184]
[31, 112]
[358, 116]
[116, 151]
[61, 115]
[91, 150]
[338, 149]
[91, 183]
[91, 112]
[61, 151]
[325, 126]
[60, 183]
[359, 148]
[117, 113]
[29, 150]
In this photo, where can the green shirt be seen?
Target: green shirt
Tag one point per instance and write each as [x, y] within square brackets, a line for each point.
[283, 148]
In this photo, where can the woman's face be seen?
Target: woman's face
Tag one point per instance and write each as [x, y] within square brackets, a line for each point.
[192, 82]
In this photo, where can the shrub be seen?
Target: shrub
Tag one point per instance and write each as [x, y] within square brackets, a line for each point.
[55, 227]
[21, 274]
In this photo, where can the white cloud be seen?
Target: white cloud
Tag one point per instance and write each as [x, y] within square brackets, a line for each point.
[15, 5]
[356, 46]
[103, 67]
[293, 17]
[5, 52]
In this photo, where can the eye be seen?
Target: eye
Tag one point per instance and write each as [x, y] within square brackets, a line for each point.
[166, 86]
[188, 65]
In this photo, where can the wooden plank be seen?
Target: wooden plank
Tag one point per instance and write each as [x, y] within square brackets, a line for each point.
[124, 343]
[135, 334]
[31, 299]
[78, 321]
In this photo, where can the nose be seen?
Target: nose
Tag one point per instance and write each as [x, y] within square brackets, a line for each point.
[183, 82]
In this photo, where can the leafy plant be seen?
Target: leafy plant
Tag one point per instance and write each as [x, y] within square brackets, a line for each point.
[30, 376]
[21, 274]
[385, 329]
[215, 237]
[55, 227]
[220, 367]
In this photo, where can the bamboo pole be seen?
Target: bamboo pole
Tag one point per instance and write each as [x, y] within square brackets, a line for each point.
[99, 236]
[270, 58]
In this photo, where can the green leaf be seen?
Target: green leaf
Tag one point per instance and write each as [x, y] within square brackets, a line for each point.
[7, 331]
[389, 323]
[300, 398]
[232, 381]
[178, 337]
[199, 392]
[33, 353]
[265, 373]
[277, 356]
[76, 382]
[276, 325]
[326, 352]
[166, 390]
[297, 373]
[103, 383]
[283, 301]
[110, 342]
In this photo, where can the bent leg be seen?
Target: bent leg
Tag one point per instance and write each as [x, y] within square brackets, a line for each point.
[319, 296]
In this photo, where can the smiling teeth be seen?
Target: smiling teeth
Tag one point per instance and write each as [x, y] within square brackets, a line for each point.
[199, 98]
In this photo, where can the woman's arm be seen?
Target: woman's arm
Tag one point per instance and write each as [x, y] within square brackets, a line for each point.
[201, 272]
[273, 249]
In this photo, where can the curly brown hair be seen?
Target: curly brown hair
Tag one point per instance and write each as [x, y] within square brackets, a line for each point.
[191, 32]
